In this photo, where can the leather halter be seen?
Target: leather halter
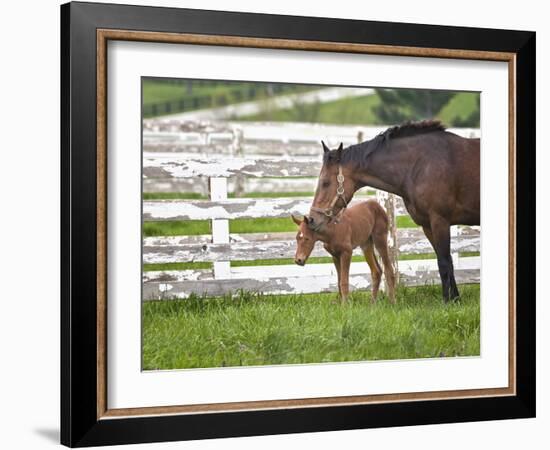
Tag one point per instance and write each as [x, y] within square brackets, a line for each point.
[329, 212]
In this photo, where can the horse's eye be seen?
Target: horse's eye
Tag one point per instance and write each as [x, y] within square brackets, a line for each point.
[326, 184]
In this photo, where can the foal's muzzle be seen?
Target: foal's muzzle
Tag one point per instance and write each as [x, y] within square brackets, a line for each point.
[300, 261]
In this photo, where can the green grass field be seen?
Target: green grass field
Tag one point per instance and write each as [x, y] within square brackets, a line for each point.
[360, 111]
[155, 91]
[349, 111]
[198, 94]
[297, 329]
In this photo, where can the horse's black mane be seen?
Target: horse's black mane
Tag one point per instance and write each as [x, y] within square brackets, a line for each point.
[358, 153]
[413, 128]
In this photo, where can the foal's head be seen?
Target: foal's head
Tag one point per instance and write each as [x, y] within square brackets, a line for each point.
[335, 188]
[305, 240]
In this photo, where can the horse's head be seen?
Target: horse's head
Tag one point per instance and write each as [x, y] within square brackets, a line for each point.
[305, 240]
[335, 188]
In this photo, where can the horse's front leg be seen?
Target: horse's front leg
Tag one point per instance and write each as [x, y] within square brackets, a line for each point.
[439, 234]
[336, 261]
[345, 261]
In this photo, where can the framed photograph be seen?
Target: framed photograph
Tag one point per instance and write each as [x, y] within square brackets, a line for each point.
[278, 224]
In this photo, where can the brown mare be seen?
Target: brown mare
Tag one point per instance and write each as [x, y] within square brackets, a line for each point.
[364, 225]
[435, 172]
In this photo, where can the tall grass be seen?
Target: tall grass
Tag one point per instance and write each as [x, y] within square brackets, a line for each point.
[297, 329]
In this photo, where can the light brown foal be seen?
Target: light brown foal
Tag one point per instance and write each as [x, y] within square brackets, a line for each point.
[364, 225]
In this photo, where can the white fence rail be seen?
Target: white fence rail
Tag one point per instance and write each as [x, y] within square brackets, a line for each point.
[256, 246]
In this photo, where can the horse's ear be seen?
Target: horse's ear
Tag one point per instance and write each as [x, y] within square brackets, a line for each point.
[296, 220]
[307, 219]
[325, 148]
[339, 151]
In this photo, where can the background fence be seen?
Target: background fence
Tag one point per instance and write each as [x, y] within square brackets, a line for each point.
[243, 159]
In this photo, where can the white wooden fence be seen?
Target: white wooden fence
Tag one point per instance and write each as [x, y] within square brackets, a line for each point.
[185, 164]
[240, 139]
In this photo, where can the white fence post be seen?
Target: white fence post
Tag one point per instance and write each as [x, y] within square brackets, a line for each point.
[220, 227]
[454, 255]
[387, 201]
[237, 151]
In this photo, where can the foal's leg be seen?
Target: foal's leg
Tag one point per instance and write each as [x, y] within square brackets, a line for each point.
[345, 261]
[336, 261]
[375, 269]
[381, 244]
[440, 238]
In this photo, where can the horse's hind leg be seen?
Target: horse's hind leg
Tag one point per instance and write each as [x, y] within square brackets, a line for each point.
[439, 235]
[381, 243]
[375, 269]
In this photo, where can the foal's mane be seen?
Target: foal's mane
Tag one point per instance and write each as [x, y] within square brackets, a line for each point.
[358, 153]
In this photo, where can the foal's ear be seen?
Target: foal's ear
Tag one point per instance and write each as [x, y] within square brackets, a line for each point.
[296, 220]
[325, 148]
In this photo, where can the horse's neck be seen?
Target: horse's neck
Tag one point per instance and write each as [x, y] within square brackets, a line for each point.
[386, 170]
